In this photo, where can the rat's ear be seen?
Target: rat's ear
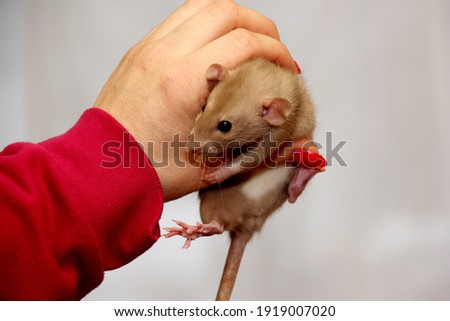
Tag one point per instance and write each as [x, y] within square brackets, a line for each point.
[276, 110]
[214, 74]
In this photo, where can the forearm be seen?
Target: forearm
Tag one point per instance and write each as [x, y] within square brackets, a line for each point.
[68, 214]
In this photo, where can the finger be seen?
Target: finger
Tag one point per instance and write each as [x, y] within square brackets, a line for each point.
[240, 45]
[216, 20]
[309, 159]
[176, 18]
[306, 154]
[304, 144]
[300, 144]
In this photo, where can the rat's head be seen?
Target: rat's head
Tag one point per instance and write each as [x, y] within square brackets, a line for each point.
[236, 112]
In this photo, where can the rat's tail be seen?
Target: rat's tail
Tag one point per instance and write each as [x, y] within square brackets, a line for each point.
[230, 271]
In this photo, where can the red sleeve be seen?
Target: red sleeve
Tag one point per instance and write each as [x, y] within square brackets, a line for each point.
[72, 207]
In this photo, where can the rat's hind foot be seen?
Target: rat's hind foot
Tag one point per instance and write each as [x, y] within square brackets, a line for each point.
[191, 232]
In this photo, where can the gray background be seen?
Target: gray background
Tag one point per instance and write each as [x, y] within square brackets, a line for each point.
[377, 229]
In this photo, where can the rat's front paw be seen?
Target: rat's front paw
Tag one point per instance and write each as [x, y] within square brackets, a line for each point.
[213, 176]
[218, 175]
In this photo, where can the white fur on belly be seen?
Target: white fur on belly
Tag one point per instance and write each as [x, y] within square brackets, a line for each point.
[265, 181]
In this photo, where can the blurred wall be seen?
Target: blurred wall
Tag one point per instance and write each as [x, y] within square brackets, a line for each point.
[14, 21]
[376, 229]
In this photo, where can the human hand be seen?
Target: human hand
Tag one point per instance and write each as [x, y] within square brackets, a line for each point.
[160, 85]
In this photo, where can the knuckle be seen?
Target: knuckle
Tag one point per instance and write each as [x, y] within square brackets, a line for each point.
[226, 7]
[283, 52]
[272, 26]
[143, 55]
[180, 82]
[132, 52]
[282, 48]
[243, 38]
[136, 58]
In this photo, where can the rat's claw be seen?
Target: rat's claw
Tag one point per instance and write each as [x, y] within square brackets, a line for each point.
[185, 227]
[187, 244]
[172, 231]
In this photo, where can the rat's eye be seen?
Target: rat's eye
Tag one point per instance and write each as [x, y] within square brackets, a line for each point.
[203, 108]
[224, 126]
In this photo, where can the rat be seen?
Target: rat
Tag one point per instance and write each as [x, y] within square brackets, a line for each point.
[251, 111]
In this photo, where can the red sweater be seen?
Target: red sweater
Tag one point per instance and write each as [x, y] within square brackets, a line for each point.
[69, 210]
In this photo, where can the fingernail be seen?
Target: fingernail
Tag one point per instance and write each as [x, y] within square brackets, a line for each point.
[309, 159]
[298, 67]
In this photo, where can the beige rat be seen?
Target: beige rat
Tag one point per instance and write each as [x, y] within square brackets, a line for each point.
[253, 107]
